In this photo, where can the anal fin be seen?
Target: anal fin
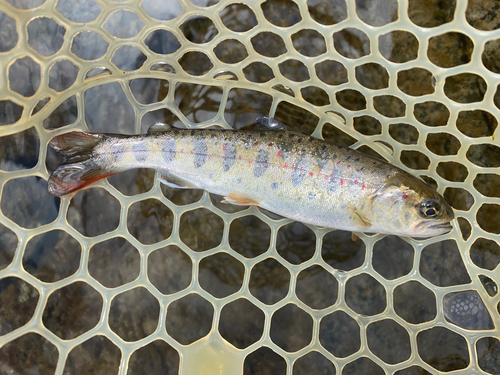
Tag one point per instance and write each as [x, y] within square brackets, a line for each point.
[239, 200]
[176, 182]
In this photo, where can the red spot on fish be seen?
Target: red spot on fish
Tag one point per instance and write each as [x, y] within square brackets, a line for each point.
[320, 171]
[256, 144]
[311, 174]
[405, 196]
[356, 182]
[293, 166]
[279, 154]
[348, 165]
[301, 167]
[341, 181]
[270, 144]
[363, 187]
[338, 162]
[249, 162]
[224, 147]
[285, 165]
[240, 157]
[326, 177]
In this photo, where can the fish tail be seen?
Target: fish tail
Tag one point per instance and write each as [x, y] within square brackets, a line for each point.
[80, 168]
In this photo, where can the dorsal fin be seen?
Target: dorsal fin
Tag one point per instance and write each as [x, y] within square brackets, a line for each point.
[268, 123]
[159, 127]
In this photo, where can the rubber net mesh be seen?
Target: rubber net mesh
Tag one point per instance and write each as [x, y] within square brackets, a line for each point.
[132, 277]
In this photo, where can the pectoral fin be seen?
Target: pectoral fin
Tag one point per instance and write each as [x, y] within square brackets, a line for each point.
[361, 220]
[239, 200]
[176, 182]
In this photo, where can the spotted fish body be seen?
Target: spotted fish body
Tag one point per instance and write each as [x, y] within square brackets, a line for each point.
[291, 174]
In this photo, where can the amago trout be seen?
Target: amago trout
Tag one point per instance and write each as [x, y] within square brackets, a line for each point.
[283, 171]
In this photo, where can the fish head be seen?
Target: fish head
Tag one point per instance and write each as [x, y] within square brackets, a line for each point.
[406, 206]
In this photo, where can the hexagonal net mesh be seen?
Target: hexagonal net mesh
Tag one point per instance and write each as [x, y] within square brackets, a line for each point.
[132, 277]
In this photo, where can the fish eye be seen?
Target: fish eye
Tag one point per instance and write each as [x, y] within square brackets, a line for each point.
[429, 208]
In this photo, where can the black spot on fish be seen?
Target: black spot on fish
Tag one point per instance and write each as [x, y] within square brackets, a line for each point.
[200, 153]
[261, 163]
[176, 132]
[238, 180]
[311, 195]
[334, 157]
[229, 156]
[280, 136]
[299, 172]
[291, 135]
[357, 159]
[274, 185]
[193, 132]
[348, 158]
[310, 139]
[262, 134]
[299, 140]
[140, 151]
[213, 136]
[323, 147]
[168, 150]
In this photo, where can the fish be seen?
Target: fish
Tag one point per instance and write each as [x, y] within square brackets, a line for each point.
[272, 166]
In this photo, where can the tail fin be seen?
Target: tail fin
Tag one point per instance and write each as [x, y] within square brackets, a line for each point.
[80, 169]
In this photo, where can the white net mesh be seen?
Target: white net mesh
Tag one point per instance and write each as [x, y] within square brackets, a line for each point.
[132, 277]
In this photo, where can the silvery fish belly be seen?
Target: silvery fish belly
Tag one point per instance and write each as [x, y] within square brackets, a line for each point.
[286, 172]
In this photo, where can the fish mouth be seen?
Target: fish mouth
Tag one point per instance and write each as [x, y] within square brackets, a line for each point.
[433, 230]
[444, 227]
